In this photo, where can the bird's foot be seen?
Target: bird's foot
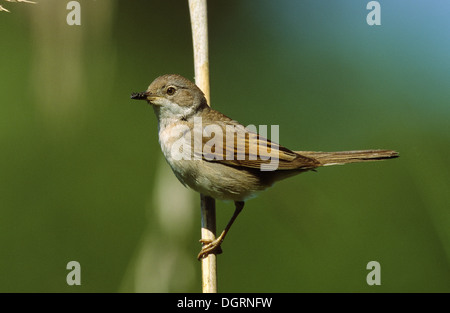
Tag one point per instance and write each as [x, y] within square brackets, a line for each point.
[210, 246]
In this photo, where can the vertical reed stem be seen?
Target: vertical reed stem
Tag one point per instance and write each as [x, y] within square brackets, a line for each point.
[199, 23]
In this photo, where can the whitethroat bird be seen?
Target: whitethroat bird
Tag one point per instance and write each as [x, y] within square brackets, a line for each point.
[232, 167]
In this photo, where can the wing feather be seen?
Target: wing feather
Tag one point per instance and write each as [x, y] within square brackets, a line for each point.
[228, 142]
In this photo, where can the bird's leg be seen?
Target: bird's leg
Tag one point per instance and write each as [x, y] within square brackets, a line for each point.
[213, 246]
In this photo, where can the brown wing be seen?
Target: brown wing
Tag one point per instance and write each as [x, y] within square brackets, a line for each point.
[228, 142]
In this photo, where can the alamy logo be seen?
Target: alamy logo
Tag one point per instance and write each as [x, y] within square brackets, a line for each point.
[374, 16]
[224, 142]
[374, 276]
[74, 276]
[74, 16]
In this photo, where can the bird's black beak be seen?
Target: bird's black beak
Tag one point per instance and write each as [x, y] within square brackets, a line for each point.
[139, 95]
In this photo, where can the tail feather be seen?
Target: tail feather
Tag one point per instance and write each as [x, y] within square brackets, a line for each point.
[344, 157]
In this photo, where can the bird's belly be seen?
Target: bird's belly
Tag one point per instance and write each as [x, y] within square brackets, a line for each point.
[216, 180]
[207, 177]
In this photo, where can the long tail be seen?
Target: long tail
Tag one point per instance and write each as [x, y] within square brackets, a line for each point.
[344, 157]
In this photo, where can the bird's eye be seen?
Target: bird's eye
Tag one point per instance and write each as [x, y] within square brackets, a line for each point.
[170, 91]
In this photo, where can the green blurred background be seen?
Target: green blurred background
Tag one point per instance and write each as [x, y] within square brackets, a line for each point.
[82, 176]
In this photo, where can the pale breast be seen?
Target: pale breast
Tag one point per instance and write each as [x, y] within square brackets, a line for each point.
[208, 177]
